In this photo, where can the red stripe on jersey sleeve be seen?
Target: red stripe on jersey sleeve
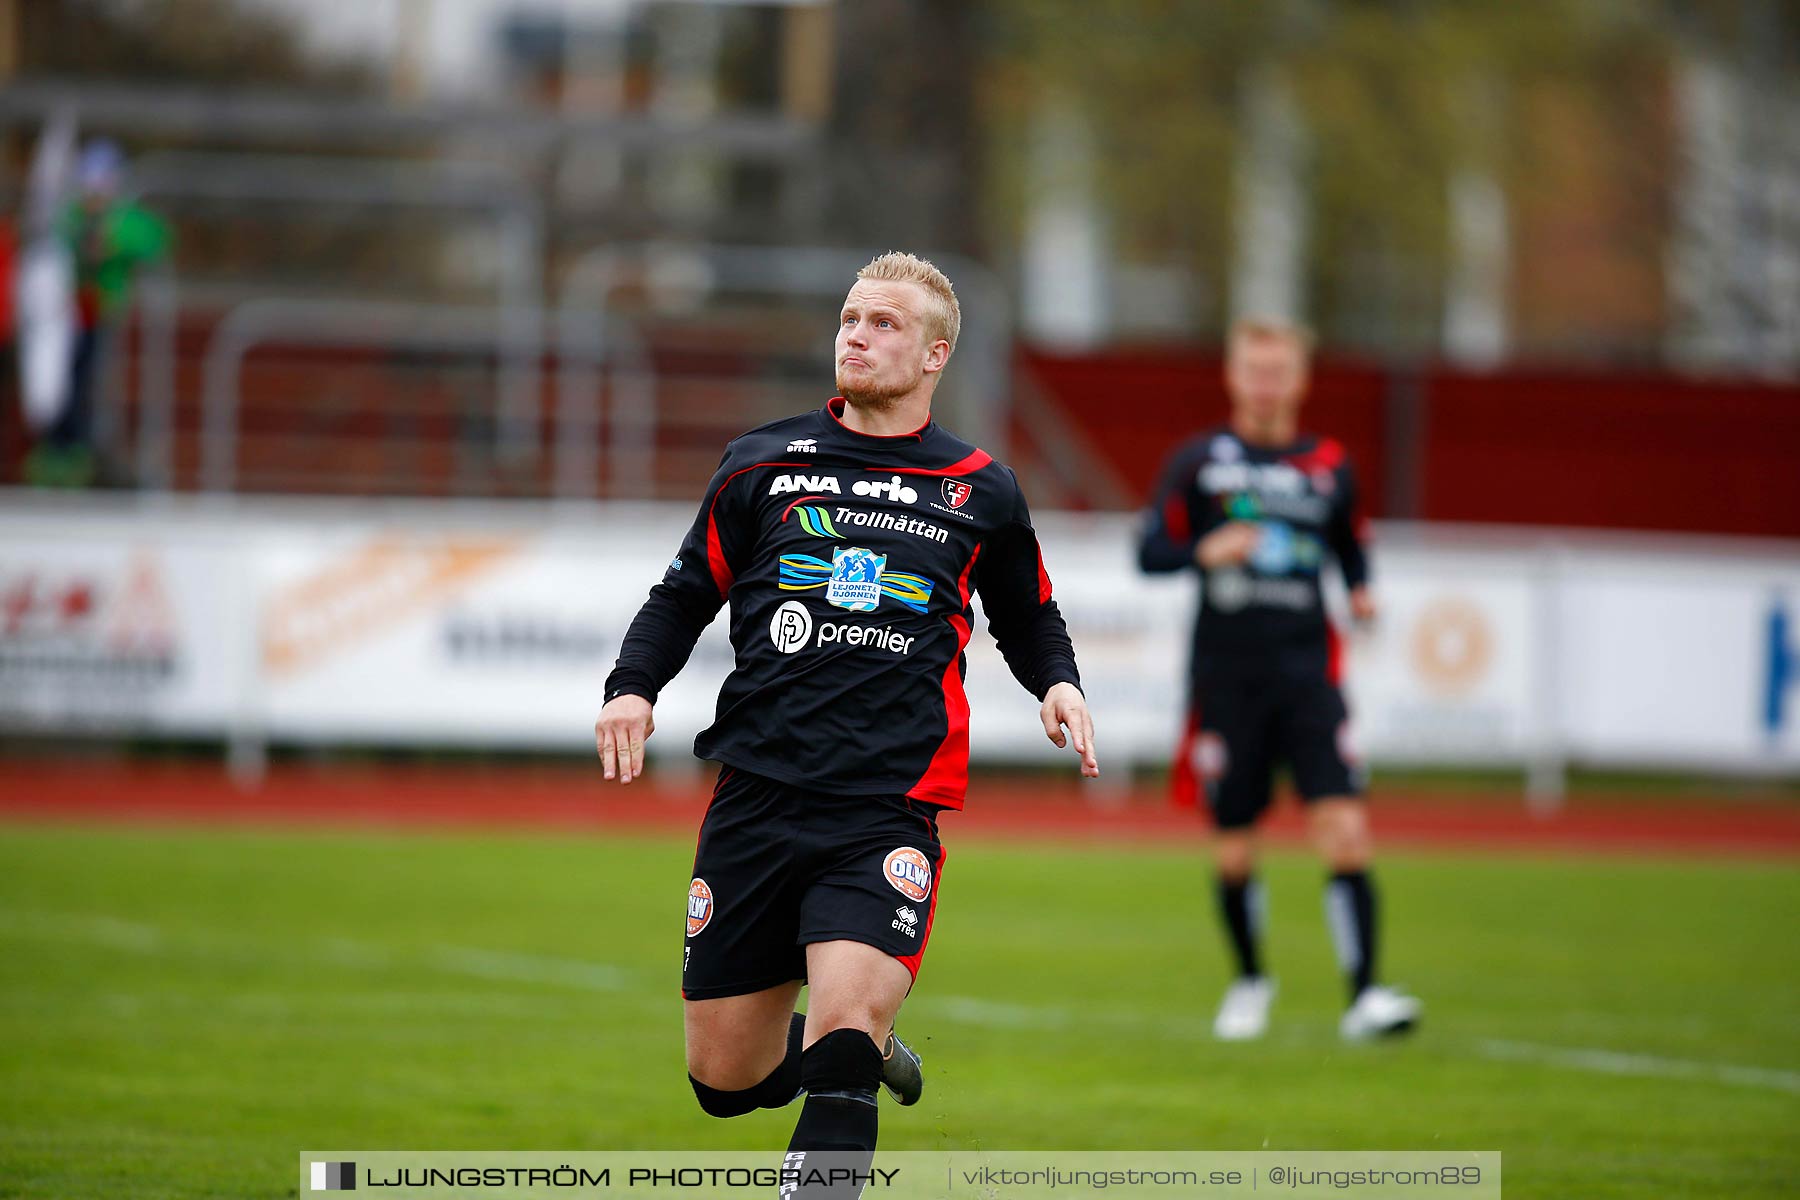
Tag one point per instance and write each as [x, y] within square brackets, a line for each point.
[1043, 579]
[715, 555]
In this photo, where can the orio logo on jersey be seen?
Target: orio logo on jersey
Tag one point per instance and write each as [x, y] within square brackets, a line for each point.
[957, 493]
[908, 872]
[700, 906]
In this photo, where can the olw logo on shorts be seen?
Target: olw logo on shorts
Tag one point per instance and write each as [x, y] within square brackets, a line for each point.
[908, 872]
[700, 906]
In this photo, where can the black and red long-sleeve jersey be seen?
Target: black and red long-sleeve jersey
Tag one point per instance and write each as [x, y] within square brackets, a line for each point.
[1268, 613]
[848, 561]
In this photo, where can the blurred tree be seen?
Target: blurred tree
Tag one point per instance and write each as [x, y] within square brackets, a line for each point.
[1556, 107]
[902, 152]
[185, 41]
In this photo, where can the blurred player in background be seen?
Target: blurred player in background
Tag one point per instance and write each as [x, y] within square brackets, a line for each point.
[846, 541]
[1257, 508]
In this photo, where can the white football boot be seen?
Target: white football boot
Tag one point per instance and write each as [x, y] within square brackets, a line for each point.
[1379, 1011]
[1244, 1012]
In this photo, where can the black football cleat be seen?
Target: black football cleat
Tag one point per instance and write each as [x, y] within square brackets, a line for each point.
[900, 1073]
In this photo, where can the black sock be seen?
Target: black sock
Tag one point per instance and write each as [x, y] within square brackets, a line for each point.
[837, 1127]
[1240, 903]
[776, 1091]
[1350, 914]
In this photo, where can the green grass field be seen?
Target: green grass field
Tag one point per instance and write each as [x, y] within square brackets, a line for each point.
[181, 1012]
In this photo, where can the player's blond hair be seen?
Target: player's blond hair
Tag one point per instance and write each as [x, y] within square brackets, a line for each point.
[1271, 329]
[943, 315]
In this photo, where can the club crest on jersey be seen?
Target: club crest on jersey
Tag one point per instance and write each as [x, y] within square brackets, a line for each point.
[700, 906]
[855, 578]
[957, 493]
[908, 872]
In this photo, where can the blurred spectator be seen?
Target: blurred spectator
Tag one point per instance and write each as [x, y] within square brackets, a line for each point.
[109, 238]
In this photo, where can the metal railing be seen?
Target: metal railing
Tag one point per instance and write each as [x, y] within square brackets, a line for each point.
[597, 350]
[280, 180]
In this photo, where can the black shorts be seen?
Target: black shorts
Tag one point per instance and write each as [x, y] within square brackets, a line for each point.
[780, 867]
[1242, 726]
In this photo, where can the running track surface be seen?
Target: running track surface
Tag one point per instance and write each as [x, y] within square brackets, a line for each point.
[569, 798]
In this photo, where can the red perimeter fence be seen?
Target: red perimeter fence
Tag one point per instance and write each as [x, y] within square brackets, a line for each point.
[1526, 446]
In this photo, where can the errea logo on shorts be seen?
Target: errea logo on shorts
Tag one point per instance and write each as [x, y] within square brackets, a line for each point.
[700, 906]
[908, 872]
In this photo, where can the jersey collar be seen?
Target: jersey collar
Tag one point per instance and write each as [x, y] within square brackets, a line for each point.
[834, 412]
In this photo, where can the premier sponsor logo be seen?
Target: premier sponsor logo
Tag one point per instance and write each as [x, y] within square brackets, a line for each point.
[880, 637]
[1231, 590]
[908, 872]
[792, 629]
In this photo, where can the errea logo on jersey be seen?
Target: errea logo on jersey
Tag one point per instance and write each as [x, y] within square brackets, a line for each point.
[806, 483]
[803, 446]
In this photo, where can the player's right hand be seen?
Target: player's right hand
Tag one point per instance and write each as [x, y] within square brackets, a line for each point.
[623, 727]
[1229, 544]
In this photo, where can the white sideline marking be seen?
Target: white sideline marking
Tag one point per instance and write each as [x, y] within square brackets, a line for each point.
[1613, 1062]
[970, 1010]
[996, 1014]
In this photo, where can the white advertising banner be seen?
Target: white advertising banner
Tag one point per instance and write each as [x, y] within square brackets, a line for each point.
[1687, 662]
[116, 627]
[1450, 669]
[495, 625]
[473, 636]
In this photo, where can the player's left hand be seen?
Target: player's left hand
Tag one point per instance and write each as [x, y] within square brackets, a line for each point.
[1362, 605]
[1065, 705]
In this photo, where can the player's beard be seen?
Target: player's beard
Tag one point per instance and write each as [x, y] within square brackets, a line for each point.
[873, 396]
